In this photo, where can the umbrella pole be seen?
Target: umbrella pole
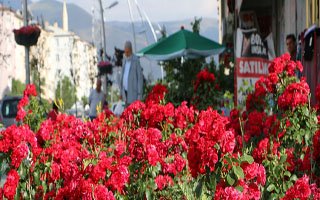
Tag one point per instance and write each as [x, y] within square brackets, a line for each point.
[133, 29]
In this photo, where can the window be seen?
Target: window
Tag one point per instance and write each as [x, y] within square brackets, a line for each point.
[9, 108]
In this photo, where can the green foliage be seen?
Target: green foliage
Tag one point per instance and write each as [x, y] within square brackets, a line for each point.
[181, 75]
[279, 179]
[37, 116]
[67, 92]
[17, 88]
[180, 78]
[84, 100]
[225, 81]
[35, 76]
[196, 25]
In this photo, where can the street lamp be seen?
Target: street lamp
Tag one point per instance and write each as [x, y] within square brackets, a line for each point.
[103, 26]
[25, 22]
[112, 5]
[104, 36]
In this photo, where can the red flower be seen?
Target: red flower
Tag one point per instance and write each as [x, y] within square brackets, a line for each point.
[260, 152]
[231, 193]
[316, 145]
[290, 159]
[163, 181]
[102, 193]
[21, 114]
[153, 156]
[250, 170]
[300, 190]
[104, 64]
[184, 116]
[9, 188]
[19, 153]
[261, 178]
[294, 95]
[119, 178]
[55, 171]
[157, 94]
[30, 90]
[254, 125]
[204, 76]
[27, 30]
[179, 162]
[23, 102]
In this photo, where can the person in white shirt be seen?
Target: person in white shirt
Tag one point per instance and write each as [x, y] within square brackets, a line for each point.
[96, 98]
[131, 85]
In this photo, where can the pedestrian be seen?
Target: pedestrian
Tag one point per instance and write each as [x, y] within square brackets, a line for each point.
[106, 109]
[292, 48]
[96, 99]
[131, 85]
[54, 112]
[291, 42]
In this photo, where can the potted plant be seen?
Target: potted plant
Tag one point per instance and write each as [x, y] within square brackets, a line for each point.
[105, 67]
[27, 35]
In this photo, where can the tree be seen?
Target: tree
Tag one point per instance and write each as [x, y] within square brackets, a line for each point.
[17, 88]
[36, 79]
[85, 101]
[66, 91]
[180, 76]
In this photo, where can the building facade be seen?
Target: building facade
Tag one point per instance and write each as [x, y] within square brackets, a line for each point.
[61, 53]
[11, 55]
[58, 53]
[272, 20]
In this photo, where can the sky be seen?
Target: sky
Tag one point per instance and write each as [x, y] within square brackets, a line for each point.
[157, 10]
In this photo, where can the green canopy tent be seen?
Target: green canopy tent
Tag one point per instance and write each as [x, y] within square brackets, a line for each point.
[183, 43]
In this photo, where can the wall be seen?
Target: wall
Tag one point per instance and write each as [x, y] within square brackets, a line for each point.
[12, 64]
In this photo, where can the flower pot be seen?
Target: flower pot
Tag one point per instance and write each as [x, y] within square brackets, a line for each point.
[27, 36]
[105, 67]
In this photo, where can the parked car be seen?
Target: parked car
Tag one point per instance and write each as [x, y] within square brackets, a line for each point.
[8, 110]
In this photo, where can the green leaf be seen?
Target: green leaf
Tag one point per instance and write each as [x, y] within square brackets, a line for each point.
[36, 177]
[230, 180]
[199, 189]
[293, 177]
[271, 187]
[148, 195]
[283, 158]
[247, 158]
[287, 173]
[238, 171]
[239, 188]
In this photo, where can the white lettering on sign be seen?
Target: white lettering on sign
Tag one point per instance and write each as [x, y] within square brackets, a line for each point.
[257, 46]
[253, 67]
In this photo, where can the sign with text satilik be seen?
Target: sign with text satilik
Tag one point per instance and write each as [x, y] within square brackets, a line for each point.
[252, 61]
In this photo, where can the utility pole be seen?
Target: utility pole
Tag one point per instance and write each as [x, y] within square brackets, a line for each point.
[25, 20]
[103, 31]
[133, 29]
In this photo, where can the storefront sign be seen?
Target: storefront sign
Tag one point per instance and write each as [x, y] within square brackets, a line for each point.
[252, 61]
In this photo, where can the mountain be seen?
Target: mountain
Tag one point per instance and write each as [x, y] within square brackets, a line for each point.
[13, 4]
[117, 32]
[79, 20]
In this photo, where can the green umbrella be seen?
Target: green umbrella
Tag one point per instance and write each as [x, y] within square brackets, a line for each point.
[183, 43]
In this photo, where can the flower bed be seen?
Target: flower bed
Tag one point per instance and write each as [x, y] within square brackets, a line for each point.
[158, 151]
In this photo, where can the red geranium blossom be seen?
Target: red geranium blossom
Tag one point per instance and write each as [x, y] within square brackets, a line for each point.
[163, 181]
[204, 76]
[9, 188]
[300, 190]
[294, 95]
[157, 94]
